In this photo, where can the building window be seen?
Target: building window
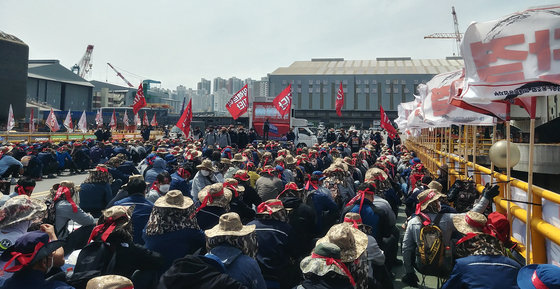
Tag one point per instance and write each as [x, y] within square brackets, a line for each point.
[325, 89]
[406, 90]
[416, 81]
[310, 101]
[317, 81]
[366, 82]
[284, 82]
[396, 81]
[387, 90]
[299, 90]
[387, 81]
[325, 81]
[310, 82]
[366, 90]
[396, 89]
[358, 90]
[345, 82]
[317, 89]
[403, 81]
[358, 81]
[310, 90]
[299, 82]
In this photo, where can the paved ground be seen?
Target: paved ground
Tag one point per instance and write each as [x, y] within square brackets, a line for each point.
[42, 188]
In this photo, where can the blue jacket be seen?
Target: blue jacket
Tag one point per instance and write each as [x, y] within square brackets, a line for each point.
[374, 217]
[94, 197]
[325, 209]
[175, 245]
[483, 271]
[61, 159]
[32, 279]
[178, 183]
[151, 174]
[240, 266]
[208, 217]
[276, 246]
[140, 215]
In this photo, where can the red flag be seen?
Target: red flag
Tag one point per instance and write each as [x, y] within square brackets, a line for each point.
[239, 103]
[283, 101]
[11, 120]
[113, 123]
[52, 123]
[139, 100]
[32, 122]
[125, 119]
[154, 121]
[386, 123]
[184, 122]
[137, 121]
[68, 122]
[339, 100]
[145, 119]
[99, 118]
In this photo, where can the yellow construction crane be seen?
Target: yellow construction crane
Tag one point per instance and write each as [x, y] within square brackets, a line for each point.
[457, 36]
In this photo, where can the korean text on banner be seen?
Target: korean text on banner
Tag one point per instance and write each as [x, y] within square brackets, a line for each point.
[239, 103]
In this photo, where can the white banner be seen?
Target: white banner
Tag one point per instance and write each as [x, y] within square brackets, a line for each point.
[516, 55]
[551, 214]
[437, 110]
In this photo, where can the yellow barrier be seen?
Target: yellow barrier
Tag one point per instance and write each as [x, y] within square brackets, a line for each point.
[540, 229]
[37, 137]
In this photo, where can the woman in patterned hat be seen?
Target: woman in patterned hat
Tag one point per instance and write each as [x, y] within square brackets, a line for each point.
[204, 177]
[324, 269]
[214, 201]
[95, 191]
[171, 223]
[235, 245]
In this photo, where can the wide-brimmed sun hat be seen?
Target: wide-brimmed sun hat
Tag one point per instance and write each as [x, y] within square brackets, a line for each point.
[352, 242]
[207, 165]
[241, 175]
[215, 195]
[270, 207]
[233, 185]
[113, 218]
[109, 282]
[230, 225]
[470, 222]
[435, 185]
[21, 208]
[324, 259]
[174, 199]
[428, 196]
[239, 158]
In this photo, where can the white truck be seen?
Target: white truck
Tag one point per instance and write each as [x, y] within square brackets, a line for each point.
[304, 136]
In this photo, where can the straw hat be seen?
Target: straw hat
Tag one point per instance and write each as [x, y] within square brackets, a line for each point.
[109, 282]
[116, 212]
[428, 196]
[207, 165]
[232, 183]
[352, 242]
[319, 266]
[241, 175]
[21, 208]
[239, 158]
[215, 191]
[435, 185]
[225, 161]
[174, 199]
[290, 160]
[229, 225]
[471, 222]
[270, 207]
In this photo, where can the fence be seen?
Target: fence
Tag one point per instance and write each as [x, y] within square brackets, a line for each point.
[37, 137]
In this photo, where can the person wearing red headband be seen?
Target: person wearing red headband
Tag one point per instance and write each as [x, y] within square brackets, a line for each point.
[322, 201]
[269, 185]
[67, 210]
[427, 210]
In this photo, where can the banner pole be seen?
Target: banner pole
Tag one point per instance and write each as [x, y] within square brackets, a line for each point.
[475, 128]
[530, 192]
[508, 168]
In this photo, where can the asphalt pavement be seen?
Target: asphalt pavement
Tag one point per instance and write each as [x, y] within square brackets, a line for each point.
[42, 187]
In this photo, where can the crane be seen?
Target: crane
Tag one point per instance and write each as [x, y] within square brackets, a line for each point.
[120, 75]
[84, 66]
[456, 35]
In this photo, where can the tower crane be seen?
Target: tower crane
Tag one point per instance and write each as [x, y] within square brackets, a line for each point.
[84, 66]
[120, 75]
[457, 35]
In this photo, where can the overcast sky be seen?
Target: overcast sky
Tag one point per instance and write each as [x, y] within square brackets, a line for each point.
[181, 41]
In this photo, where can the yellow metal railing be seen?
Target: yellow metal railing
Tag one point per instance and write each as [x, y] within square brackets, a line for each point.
[540, 229]
[36, 137]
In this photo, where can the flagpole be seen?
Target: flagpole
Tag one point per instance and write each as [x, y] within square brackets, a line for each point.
[508, 168]
[491, 162]
[531, 205]
[476, 176]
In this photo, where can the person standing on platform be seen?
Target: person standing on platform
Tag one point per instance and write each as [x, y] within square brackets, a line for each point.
[266, 129]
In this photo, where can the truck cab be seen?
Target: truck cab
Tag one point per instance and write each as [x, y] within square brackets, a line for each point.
[304, 137]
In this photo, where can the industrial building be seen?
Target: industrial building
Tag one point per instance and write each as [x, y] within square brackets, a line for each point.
[367, 85]
[14, 55]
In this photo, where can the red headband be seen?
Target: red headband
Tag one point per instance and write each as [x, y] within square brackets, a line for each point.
[22, 258]
[355, 223]
[231, 187]
[267, 206]
[102, 169]
[208, 199]
[68, 196]
[21, 190]
[360, 195]
[338, 263]
[536, 281]
[107, 228]
[290, 186]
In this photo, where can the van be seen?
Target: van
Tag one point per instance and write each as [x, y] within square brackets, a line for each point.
[304, 137]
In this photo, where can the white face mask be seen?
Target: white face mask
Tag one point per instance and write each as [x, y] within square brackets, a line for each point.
[205, 173]
[164, 188]
[438, 172]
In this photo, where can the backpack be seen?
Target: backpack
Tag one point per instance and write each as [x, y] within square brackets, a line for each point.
[463, 195]
[432, 257]
[95, 259]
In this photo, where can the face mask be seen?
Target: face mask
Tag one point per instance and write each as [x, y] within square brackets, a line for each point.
[50, 263]
[164, 188]
[205, 173]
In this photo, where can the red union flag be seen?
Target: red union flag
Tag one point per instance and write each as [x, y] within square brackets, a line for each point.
[139, 100]
[11, 121]
[82, 123]
[339, 100]
[52, 123]
[386, 124]
[145, 119]
[68, 122]
[239, 103]
[137, 120]
[32, 122]
[283, 101]
[184, 123]
[154, 121]
[99, 118]
[113, 123]
[125, 119]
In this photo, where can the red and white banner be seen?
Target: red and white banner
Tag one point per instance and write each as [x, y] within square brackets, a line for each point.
[279, 125]
[11, 121]
[283, 101]
[52, 123]
[32, 122]
[145, 120]
[515, 56]
[154, 120]
[137, 120]
[184, 123]
[113, 123]
[68, 122]
[339, 103]
[82, 123]
[436, 107]
[239, 103]
[99, 118]
[125, 119]
[139, 100]
[386, 123]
